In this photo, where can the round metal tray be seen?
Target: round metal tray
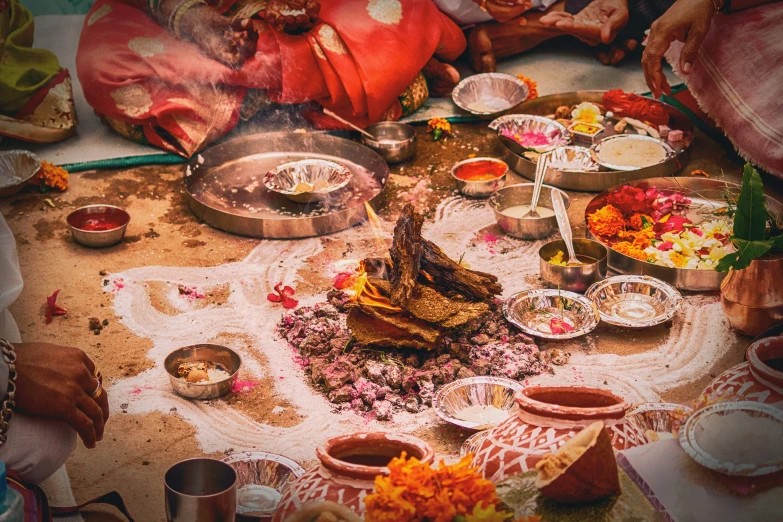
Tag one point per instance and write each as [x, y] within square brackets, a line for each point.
[596, 181]
[225, 185]
[703, 192]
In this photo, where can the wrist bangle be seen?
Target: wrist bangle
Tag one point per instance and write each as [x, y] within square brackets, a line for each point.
[9, 402]
[176, 15]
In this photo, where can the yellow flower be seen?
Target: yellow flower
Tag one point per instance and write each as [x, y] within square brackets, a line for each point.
[557, 259]
[488, 514]
[587, 112]
[532, 87]
[606, 222]
[678, 259]
[50, 176]
[439, 127]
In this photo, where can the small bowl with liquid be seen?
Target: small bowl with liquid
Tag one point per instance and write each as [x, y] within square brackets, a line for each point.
[98, 226]
[262, 480]
[480, 177]
[394, 141]
[573, 278]
[477, 403]
[511, 205]
[634, 301]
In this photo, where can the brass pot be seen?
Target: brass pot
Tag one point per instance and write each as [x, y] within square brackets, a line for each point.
[753, 297]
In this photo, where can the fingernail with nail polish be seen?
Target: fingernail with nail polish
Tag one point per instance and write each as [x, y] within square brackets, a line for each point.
[686, 68]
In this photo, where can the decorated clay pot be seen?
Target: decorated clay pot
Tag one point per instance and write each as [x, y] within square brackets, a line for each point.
[548, 417]
[349, 465]
[753, 380]
[752, 298]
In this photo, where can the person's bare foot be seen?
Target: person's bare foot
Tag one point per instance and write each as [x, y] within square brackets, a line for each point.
[292, 16]
[230, 43]
[441, 77]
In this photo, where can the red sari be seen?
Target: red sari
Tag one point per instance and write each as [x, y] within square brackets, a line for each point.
[357, 60]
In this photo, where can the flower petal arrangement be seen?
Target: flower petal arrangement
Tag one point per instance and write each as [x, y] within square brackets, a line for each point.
[283, 296]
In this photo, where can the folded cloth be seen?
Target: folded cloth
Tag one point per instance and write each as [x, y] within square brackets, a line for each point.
[736, 80]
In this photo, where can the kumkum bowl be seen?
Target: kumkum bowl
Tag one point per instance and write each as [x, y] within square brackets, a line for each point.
[479, 189]
[517, 124]
[745, 442]
[395, 141]
[464, 401]
[262, 479]
[654, 421]
[551, 314]
[17, 167]
[473, 443]
[521, 194]
[224, 358]
[489, 95]
[635, 301]
[573, 278]
[286, 178]
[82, 219]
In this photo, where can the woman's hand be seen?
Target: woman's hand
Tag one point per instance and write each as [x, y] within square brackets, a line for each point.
[230, 42]
[597, 23]
[506, 10]
[686, 21]
[55, 382]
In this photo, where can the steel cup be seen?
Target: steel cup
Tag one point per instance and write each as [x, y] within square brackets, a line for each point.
[201, 490]
[395, 141]
[573, 278]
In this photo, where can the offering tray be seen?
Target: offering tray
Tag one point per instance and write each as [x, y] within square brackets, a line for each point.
[596, 181]
[225, 185]
[706, 194]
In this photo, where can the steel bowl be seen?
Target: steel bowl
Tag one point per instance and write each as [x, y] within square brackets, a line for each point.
[17, 167]
[654, 421]
[479, 189]
[262, 479]
[668, 152]
[489, 95]
[572, 158]
[522, 194]
[573, 278]
[473, 443]
[535, 311]
[635, 301]
[451, 400]
[703, 430]
[285, 178]
[223, 357]
[510, 127]
[395, 141]
[98, 238]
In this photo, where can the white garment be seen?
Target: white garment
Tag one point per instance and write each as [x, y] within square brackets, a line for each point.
[10, 282]
[468, 12]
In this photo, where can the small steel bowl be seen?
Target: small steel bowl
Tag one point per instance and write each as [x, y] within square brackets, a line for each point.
[635, 301]
[455, 397]
[17, 167]
[572, 158]
[395, 142]
[509, 127]
[532, 312]
[221, 356]
[654, 421]
[489, 95]
[479, 189]
[473, 443]
[98, 238]
[521, 194]
[701, 426]
[262, 479]
[573, 278]
[284, 179]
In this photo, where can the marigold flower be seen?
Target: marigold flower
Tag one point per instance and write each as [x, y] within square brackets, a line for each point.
[606, 222]
[439, 127]
[50, 176]
[532, 87]
[486, 514]
[624, 247]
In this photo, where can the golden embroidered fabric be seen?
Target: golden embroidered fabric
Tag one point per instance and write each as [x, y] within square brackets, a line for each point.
[385, 11]
[132, 100]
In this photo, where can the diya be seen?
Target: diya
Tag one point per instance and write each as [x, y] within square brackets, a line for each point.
[547, 418]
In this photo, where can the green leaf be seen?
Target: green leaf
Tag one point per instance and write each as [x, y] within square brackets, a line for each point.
[750, 219]
[777, 243]
[746, 252]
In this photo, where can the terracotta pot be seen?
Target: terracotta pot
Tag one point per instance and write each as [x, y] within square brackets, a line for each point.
[753, 380]
[349, 465]
[548, 417]
[752, 298]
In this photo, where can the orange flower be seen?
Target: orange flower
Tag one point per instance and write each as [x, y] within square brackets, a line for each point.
[532, 87]
[439, 127]
[624, 247]
[606, 222]
[488, 514]
[50, 176]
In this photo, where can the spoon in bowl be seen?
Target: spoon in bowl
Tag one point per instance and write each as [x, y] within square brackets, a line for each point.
[351, 125]
[541, 167]
[558, 204]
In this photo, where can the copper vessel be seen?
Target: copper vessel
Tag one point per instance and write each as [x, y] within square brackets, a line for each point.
[753, 297]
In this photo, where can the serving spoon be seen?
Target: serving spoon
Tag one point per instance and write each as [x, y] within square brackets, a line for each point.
[351, 125]
[541, 165]
[558, 204]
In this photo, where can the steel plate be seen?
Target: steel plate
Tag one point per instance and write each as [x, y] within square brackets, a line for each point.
[603, 179]
[702, 191]
[225, 185]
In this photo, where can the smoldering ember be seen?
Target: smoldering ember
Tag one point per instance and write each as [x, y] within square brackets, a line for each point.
[391, 260]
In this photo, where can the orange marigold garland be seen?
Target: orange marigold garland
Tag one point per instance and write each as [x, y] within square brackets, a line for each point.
[50, 176]
[532, 87]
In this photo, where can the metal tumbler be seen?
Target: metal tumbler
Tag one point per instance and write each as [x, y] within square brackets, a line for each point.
[201, 490]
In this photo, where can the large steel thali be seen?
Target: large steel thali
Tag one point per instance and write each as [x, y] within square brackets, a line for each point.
[603, 179]
[706, 195]
[225, 185]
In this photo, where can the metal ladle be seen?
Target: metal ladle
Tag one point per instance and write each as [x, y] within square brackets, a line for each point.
[565, 227]
[541, 165]
[351, 125]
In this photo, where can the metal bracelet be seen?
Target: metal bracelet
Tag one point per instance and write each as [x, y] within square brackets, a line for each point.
[9, 402]
[179, 12]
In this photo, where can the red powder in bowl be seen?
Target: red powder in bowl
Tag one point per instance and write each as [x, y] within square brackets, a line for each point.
[480, 171]
[100, 224]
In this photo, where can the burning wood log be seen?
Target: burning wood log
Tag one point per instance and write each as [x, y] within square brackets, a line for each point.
[376, 327]
[405, 254]
[447, 273]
